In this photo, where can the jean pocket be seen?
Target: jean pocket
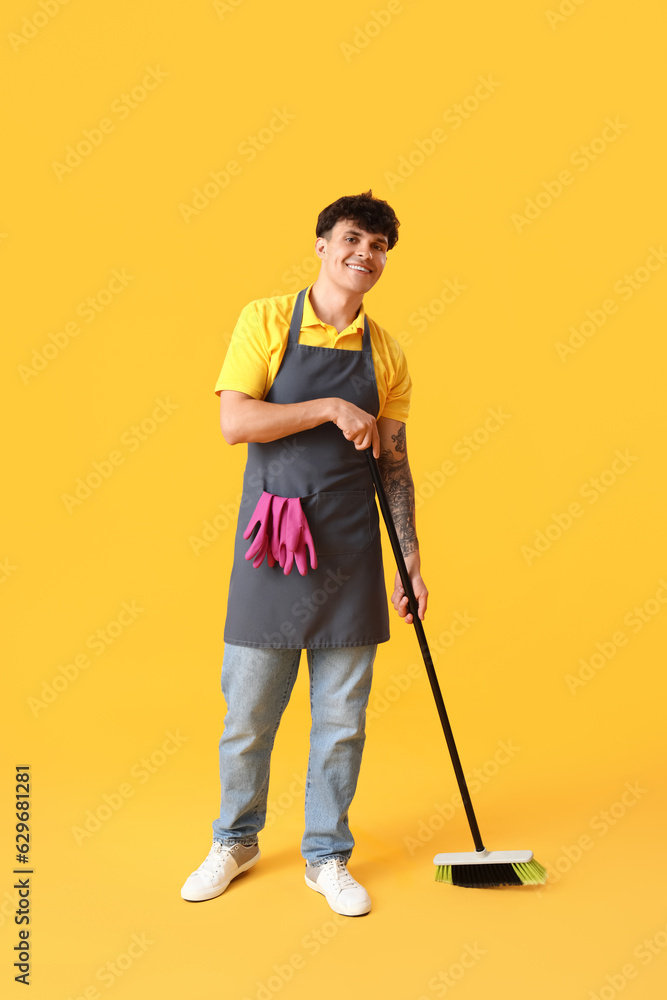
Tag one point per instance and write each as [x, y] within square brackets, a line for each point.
[342, 523]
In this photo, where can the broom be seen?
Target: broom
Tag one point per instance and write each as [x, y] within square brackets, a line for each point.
[478, 869]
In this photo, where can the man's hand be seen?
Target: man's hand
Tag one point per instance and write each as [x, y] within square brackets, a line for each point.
[400, 599]
[243, 418]
[357, 425]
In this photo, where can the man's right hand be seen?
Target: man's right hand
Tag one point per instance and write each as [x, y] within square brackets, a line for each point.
[245, 419]
[356, 425]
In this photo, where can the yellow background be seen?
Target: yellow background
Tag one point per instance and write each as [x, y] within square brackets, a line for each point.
[360, 99]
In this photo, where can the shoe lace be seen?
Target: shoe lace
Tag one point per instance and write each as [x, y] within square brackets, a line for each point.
[339, 873]
[216, 857]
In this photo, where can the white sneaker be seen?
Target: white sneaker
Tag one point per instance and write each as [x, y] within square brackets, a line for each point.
[342, 893]
[223, 863]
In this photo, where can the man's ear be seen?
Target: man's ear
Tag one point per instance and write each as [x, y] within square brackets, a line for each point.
[320, 246]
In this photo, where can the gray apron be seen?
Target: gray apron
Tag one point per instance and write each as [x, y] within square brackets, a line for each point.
[343, 602]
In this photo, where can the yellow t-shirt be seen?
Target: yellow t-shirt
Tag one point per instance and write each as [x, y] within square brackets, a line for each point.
[260, 336]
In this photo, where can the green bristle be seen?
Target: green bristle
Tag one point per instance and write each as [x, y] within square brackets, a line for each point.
[492, 876]
[531, 873]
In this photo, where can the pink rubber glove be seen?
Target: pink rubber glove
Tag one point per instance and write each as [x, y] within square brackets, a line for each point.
[260, 545]
[295, 539]
[278, 510]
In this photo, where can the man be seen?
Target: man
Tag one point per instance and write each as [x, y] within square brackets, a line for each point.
[309, 383]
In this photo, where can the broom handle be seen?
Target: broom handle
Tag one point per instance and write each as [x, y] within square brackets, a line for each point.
[423, 645]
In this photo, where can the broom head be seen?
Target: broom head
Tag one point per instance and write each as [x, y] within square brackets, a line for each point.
[488, 869]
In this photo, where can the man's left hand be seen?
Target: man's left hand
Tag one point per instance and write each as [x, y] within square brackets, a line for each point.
[400, 599]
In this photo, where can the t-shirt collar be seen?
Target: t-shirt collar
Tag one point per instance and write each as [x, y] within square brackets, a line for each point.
[311, 319]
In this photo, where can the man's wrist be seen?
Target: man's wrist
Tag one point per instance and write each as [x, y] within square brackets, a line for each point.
[328, 408]
[413, 561]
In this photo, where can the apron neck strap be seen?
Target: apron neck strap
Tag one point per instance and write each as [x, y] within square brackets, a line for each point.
[297, 317]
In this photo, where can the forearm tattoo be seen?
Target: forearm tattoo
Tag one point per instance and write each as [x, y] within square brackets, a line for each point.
[397, 481]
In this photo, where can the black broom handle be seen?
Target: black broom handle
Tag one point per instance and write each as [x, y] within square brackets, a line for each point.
[423, 645]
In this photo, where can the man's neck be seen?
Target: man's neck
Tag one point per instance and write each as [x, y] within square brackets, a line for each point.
[334, 306]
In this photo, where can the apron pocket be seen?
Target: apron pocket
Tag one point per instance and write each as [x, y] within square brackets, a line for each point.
[342, 523]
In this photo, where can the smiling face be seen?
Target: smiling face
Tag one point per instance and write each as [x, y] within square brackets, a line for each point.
[353, 258]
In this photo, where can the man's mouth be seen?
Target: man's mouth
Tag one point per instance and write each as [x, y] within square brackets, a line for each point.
[359, 267]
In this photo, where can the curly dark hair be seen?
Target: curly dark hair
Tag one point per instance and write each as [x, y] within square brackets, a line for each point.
[371, 214]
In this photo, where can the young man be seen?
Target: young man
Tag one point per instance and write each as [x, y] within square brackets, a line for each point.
[309, 383]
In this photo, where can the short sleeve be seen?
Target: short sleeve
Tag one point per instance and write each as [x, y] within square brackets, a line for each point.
[246, 364]
[397, 403]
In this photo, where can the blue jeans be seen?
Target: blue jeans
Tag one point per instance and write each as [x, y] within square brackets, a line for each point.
[257, 684]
